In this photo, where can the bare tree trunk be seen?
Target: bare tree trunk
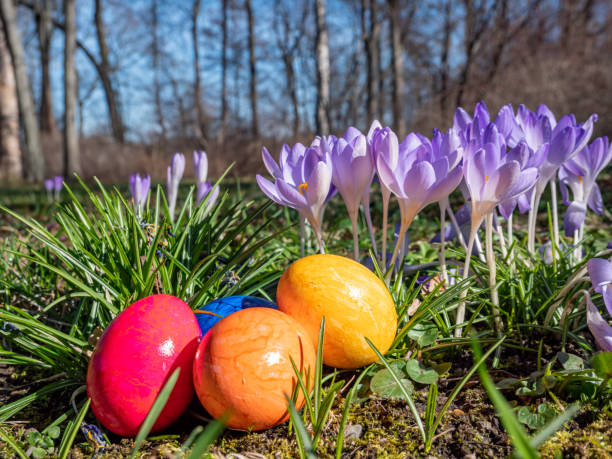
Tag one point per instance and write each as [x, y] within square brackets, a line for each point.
[72, 163]
[224, 111]
[45, 33]
[201, 122]
[252, 68]
[371, 33]
[104, 70]
[476, 19]
[397, 68]
[10, 149]
[445, 67]
[288, 49]
[159, 110]
[35, 161]
[322, 52]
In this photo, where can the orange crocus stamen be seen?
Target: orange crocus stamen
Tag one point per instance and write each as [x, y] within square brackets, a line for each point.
[303, 187]
[579, 179]
[486, 178]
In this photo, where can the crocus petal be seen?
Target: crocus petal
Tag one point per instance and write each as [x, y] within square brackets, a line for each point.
[506, 207]
[270, 190]
[500, 182]
[524, 183]
[290, 195]
[445, 185]
[595, 200]
[602, 332]
[461, 119]
[270, 164]
[417, 182]
[318, 188]
[561, 146]
[351, 133]
[387, 176]
[524, 204]
[574, 217]
[600, 272]
[543, 110]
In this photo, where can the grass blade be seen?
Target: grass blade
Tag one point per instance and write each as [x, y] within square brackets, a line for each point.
[520, 439]
[71, 431]
[411, 404]
[156, 409]
[206, 438]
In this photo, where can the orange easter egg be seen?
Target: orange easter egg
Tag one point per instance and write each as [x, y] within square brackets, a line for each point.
[242, 367]
[355, 302]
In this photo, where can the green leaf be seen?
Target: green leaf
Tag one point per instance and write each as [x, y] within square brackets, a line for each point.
[520, 440]
[38, 453]
[155, 411]
[12, 443]
[71, 431]
[53, 432]
[570, 361]
[421, 374]
[207, 437]
[384, 385]
[442, 368]
[423, 333]
[602, 364]
[34, 438]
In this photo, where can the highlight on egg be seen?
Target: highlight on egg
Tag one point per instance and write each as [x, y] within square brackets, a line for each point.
[355, 302]
[242, 367]
[134, 358]
[211, 313]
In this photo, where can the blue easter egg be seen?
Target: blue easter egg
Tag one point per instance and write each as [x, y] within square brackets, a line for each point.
[216, 310]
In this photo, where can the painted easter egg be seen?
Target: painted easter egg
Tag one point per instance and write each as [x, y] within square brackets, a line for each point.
[356, 304]
[134, 358]
[242, 367]
[214, 311]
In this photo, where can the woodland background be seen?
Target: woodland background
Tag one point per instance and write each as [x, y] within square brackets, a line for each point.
[109, 87]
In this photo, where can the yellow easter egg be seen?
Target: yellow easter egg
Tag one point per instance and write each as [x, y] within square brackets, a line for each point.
[356, 304]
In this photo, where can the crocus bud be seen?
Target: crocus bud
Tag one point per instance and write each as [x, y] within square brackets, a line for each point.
[174, 175]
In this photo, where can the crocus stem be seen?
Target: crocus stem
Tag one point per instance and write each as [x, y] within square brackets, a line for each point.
[492, 272]
[320, 240]
[365, 202]
[353, 216]
[400, 242]
[466, 270]
[531, 224]
[555, 216]
[478, 247]
[302, 234]
[456, 226]
[510, 240]
[443, 244]
[386, 196]
[502, 239]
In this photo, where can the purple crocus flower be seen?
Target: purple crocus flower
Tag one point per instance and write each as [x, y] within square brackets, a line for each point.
[173, 178]
[352, 172]
[579, 175]
[58, 183]
[139, 188]
[492, 176]
[302, 181]
[600, 272]
[527, 158]
[417, 179]
[49, 185]
[200, 165]
[206, 190]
